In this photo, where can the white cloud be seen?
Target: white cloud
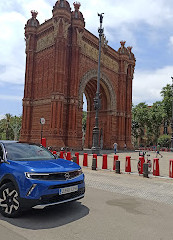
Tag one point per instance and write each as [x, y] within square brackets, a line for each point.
[2, 116]
[148, 84]
[171, 41]
[123, 20]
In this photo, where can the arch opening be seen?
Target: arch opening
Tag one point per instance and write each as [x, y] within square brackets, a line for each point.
[87, 89]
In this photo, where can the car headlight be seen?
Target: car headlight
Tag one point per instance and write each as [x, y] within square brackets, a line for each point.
[80, 172]
[42, 176]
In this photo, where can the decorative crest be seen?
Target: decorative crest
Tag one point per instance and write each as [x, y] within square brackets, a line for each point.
[122, 43]
[34, 14]
[129, 49]
[76, 6]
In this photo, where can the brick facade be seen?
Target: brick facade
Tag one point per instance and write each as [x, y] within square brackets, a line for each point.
[61, 65]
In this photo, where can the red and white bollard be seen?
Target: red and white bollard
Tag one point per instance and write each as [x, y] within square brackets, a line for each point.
[142, 160]
[156, 171]
[85, 160]
[105, 162]
[77, 156]
[171, 168]
[61, 154]
[114, 162]
[68, 157]
[43, 142]
[128, 164]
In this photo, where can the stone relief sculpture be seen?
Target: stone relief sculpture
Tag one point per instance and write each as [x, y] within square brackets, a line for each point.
[66, 26]
[27, 39]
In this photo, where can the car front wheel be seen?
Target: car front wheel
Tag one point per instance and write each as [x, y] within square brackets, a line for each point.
[9, 200]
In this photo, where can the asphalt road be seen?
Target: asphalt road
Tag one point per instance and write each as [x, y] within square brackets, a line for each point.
[116, 207]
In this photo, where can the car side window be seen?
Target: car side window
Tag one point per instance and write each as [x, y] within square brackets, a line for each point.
[1, 152]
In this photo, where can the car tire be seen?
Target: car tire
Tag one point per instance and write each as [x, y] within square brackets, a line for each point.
[9, 200]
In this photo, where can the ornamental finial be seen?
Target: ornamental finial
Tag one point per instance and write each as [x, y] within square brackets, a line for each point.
[130, 48]
[76, 6]
[122, 43]
[34, 13]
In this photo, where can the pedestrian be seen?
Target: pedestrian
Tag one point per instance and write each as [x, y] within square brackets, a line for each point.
[158, 150]
[125, 146]
[115, 147]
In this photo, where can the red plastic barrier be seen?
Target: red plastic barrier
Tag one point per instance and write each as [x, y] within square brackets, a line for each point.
[43, 142]
[171, 168]
[114, 162]
[142, 160]
[95, 156]
[77, 156]
[68, 156]
[85, 159]
[54, 152]
[156, 171]
[61, 154]
[128, 164]
[105, 162]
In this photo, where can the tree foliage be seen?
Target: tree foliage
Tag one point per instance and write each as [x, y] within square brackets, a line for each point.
[10, 127]
[84, 118]
[164, 140]
[148, 120]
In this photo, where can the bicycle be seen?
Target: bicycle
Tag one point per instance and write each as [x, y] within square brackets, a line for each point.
[142, 154]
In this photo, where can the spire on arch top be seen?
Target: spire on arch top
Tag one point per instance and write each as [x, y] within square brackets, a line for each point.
[76, 14]
[62, 4]
[76, 6]
[33, 22]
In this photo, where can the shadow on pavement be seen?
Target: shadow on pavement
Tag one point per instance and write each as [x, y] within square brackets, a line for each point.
[49, 217]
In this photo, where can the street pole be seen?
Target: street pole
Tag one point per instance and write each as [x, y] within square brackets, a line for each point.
[172, 118]
[97, 103]
[42, 122]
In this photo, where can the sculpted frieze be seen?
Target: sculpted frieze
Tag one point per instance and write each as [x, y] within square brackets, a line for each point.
[45, 42]
[93, 53]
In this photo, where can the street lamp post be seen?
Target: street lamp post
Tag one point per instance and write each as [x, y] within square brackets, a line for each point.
[172, 118]
[97, 102]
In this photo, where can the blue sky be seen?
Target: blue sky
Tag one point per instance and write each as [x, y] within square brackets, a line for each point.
[147, 25]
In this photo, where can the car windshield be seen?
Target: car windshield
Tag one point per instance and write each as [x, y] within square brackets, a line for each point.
[27, 152]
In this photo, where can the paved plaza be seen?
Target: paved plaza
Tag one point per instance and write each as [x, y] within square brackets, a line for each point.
[163, 162]
[115, 206]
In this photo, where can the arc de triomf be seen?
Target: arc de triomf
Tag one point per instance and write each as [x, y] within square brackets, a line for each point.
[61, 65]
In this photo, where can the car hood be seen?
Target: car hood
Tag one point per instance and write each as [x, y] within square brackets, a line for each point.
[46, 166]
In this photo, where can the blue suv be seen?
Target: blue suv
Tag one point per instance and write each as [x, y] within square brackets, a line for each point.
[32, 177]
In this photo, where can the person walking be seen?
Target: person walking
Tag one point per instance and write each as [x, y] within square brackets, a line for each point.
[158, 150]
[125, 146]
[115, 147]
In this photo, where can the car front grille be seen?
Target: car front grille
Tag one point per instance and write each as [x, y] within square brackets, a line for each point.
[60, 176]
[55, 198]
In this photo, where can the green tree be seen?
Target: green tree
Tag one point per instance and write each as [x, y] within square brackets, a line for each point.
[15, 124]
[6, 130]
[164, 140]
[139, 120]
[155, 121]
[84, 118]
[166, 93]
[10, 127]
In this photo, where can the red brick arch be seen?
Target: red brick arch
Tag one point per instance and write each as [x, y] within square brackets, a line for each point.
[61, 65]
